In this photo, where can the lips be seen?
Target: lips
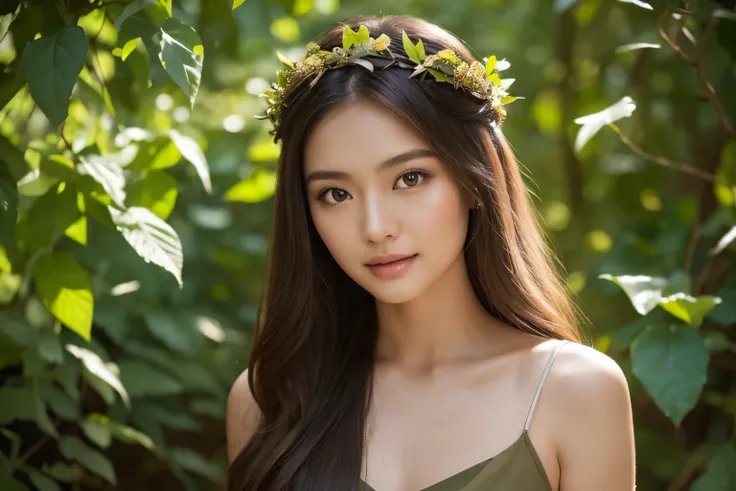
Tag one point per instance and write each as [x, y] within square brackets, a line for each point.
[390, 258]
[391, 266]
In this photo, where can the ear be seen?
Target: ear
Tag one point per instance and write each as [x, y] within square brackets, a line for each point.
[472, 201]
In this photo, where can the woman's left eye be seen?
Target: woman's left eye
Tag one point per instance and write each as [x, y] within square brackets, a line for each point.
[411, 178]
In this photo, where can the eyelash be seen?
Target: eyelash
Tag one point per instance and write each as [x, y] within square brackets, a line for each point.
[424, 175]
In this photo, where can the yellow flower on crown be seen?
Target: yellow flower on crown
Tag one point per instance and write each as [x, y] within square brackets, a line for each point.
[449, 55]
[381, 43]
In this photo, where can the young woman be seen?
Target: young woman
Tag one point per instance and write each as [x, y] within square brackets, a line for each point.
[414, 334]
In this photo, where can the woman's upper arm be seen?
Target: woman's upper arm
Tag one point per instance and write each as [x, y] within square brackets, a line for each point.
[242, 416]
[595, 437]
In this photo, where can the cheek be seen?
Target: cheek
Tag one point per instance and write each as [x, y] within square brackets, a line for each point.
[334, 233]
[442, 212]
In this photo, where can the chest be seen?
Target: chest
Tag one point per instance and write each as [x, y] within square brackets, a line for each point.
[421, 434]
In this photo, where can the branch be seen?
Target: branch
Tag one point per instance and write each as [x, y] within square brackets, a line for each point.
[696, 63]
[29, 453]
[669, 40]
[693, 464]
[688, 169]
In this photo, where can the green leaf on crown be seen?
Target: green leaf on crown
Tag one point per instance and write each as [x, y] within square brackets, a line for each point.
[350, 37]
[412, 51]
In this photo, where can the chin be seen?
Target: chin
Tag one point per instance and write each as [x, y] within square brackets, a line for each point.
[394, 292]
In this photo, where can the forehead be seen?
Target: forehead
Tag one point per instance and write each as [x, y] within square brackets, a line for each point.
[359, 135]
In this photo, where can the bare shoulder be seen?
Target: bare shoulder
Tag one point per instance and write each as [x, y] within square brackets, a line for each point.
[242, 416]
[583, 375]
[590, 419]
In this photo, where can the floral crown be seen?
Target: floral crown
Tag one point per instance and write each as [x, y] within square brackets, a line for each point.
[483, 82]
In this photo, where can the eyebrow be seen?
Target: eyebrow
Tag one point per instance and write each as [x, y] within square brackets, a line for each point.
[417, 153]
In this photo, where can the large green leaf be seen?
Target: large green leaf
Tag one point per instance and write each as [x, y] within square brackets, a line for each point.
[191, 151]
[75, 449]
[672, 363]
[51, 65]
[720, 474]
[156, 191]
[181, 55]
[103, 371]
[64, 288]
[152, 238]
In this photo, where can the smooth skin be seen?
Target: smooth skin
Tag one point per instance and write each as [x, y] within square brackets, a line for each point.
[453, 385]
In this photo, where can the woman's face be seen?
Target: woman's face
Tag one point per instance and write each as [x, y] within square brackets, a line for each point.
[377, 193]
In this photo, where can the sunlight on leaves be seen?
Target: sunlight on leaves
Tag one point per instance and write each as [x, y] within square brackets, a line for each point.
[64, 288]
[644, 292]
[635, 46]
[638, 3]
[151, 237]
[592, 123]
[724, 241]
[260, 186]
[690, 309]
[192, 152]
[182, 56]
[103, 371]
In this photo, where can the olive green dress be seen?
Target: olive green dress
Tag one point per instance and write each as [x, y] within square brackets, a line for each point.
[517, 468]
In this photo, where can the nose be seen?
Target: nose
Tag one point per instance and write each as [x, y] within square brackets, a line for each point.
[379, 220]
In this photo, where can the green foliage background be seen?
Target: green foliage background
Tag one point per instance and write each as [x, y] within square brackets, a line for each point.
[134, 215]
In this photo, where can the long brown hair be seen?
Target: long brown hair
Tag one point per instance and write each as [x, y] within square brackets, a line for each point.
[314, 343]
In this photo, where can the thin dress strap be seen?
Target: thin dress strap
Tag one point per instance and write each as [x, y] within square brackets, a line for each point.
[541, 382]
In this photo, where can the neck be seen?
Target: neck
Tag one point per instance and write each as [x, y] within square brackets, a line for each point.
[443, 325]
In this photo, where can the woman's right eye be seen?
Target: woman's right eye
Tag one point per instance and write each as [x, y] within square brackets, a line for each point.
[333, 195]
